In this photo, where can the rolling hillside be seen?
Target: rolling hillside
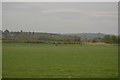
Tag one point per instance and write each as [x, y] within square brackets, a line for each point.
[87, 35]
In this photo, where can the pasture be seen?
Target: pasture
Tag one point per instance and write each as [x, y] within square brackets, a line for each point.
[26, 60]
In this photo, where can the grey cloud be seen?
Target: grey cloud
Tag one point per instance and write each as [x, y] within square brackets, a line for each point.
[61, 17]
[0, 16]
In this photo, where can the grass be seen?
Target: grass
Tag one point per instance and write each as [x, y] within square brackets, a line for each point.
[24, 60]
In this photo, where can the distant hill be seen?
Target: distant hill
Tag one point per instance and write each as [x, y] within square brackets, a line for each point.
[87, 35]
[42, 37]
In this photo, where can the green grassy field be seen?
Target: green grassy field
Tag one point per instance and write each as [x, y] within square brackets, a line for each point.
[24, 60]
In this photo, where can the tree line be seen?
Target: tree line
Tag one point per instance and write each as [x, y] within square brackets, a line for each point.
[111, 39]
[34, 37]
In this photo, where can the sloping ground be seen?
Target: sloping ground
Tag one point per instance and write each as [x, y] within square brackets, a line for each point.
[87, 35]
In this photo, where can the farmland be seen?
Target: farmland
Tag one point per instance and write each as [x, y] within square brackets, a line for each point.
[27, 60]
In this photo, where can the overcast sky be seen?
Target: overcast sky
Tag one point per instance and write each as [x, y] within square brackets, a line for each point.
[61, 17]
[0, 16]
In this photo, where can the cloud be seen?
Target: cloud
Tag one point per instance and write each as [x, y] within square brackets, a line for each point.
[62, 11]
[61, 17]
[81, 12]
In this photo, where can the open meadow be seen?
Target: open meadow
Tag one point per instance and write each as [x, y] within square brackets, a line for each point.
[27, 60]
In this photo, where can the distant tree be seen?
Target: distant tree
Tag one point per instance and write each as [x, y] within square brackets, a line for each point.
[77, 40]
[94, 40]
[110, 39]
[6, 31]
[107, 39]
[29, 32]
[114, 39]
[21, 31]
[33, 33]
[118, 40]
